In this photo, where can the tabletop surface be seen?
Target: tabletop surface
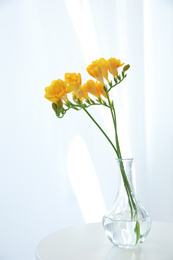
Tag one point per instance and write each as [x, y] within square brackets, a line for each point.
[89, 242]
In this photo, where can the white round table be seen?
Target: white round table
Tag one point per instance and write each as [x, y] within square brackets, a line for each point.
[89, 242]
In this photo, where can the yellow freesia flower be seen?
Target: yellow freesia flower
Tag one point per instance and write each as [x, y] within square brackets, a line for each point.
[94, 88]
[95, 70]
[90, 87]
[82, 94]
[113, 64]
[100, 89]
[57, 91]
[104, 67]
[74, 81]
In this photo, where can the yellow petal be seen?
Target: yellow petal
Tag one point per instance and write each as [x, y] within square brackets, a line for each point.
[113, 64]
[100, 89]
[73, 81]
[90, 87]
[94, 70]
[104, 67]
[56, 91]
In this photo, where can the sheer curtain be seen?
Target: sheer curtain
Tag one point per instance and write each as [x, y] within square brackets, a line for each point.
[61, 172]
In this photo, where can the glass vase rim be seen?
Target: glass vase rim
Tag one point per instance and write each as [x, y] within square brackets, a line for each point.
[125, 159]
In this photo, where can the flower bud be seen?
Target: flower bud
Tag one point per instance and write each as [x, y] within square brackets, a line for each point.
[126, 67]
[54, 106]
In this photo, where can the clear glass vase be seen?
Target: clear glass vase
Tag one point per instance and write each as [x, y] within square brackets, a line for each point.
[126, 224]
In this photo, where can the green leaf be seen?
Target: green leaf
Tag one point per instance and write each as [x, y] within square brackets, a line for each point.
[79, 102]
[105, 88]
[110, 83]
[137, 231]
[68, 103]
[75, 108]
[119, 77]
[104, 103]
[115, 80]
[88, 101]
[99, 100]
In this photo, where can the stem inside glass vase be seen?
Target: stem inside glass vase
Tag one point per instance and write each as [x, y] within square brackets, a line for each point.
[119, 218]
[127, 223]
[128, 185]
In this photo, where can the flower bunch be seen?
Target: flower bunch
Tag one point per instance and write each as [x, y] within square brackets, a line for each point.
[71, 94]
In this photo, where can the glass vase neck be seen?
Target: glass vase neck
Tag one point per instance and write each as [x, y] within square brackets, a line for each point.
[125, 165]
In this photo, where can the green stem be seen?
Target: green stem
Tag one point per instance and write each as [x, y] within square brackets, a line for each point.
[116, 134]
[125, 180]
[116, 83]
[115, 125]
[100, 129]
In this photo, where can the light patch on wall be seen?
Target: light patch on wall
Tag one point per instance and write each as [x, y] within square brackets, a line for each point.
[121, 22]
[84, 181]
[80, 14]
[148, 68]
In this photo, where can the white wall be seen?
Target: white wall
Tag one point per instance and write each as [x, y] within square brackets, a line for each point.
[60, 172]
